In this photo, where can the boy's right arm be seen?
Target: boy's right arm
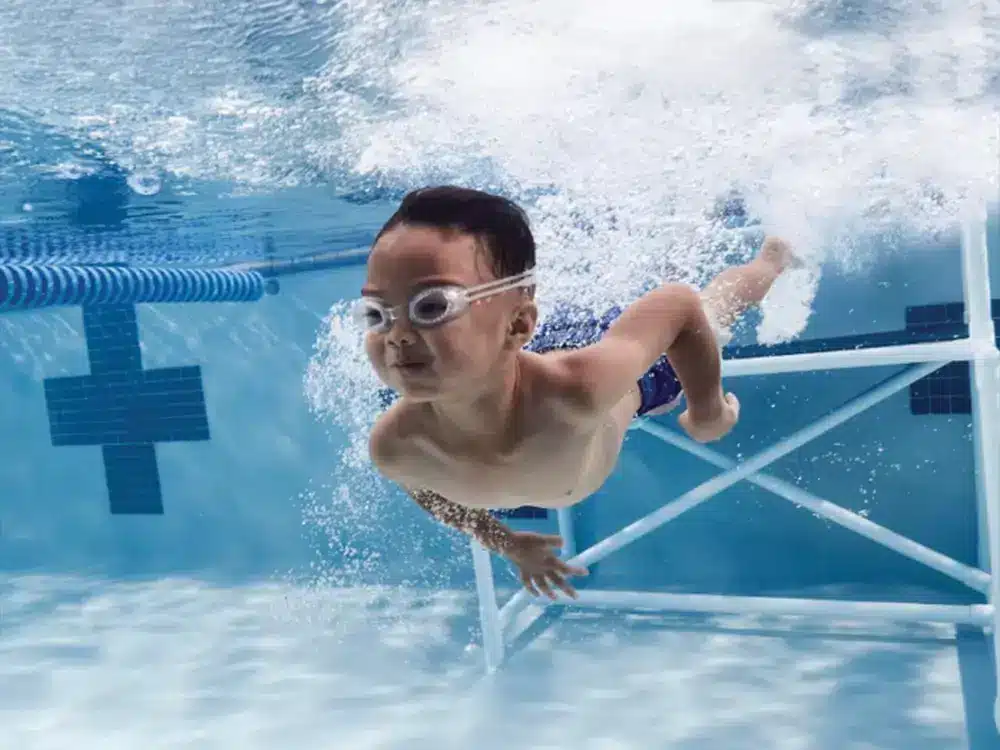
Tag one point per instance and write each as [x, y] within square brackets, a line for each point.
[476, 522]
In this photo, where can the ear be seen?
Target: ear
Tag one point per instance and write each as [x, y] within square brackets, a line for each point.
[522, 325]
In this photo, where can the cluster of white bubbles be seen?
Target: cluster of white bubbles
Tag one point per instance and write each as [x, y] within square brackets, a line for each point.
[835, 120]
[349, 515]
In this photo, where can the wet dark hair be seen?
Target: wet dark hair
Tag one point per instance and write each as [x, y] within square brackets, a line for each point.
[498, 224]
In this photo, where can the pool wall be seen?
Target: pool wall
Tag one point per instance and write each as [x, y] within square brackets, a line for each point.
[233, 505]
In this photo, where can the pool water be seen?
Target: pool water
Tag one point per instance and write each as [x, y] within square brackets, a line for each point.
[263, 587]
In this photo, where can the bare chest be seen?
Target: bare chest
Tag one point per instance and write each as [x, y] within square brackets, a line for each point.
[549, 467]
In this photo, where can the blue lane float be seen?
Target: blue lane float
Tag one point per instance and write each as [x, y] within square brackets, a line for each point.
[29, 245]
[24, 287]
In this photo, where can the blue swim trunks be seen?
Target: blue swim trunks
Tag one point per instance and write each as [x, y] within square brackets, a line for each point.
[570, 327]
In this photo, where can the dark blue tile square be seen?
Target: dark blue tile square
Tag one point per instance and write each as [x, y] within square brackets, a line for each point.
[961, 405]
[133, 479]
[112, 338]
[915, 316]
[954, 312]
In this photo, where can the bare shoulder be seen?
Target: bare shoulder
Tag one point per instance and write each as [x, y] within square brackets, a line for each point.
[391, 444]
[563, 383]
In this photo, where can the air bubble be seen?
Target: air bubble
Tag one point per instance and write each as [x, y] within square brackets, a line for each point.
[144, 183]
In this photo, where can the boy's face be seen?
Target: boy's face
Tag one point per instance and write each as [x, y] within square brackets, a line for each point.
[459, 356]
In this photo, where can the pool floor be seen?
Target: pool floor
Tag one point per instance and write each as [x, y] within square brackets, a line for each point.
[88, 663]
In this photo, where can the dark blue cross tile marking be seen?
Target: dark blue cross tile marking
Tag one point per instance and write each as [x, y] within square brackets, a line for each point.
[949, 390]
[125, 409]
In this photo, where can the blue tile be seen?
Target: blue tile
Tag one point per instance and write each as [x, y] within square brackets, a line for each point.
[940, 405]
[126, 409]
[524, 512]
[112, 338]
[949, 390]
[955, 312]
[961, 405]
[133, 479]
[138, 412]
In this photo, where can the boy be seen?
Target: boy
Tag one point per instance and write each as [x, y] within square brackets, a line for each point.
[448, 307]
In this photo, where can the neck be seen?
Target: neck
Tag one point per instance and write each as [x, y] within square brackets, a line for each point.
[487, 411]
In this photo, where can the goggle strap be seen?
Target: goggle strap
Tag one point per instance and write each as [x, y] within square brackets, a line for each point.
[524, 279]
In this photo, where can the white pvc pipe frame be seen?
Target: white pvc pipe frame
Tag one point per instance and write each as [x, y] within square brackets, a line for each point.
[922, 359]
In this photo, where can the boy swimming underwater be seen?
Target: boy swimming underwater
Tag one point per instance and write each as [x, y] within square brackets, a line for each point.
[483, 422]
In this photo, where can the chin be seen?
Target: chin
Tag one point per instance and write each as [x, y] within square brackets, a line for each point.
[421, 395]
[415, 388]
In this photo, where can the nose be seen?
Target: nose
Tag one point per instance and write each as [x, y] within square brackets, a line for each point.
[401, 333]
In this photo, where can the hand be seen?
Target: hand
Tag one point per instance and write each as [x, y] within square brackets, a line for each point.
[538, 564]
[713, 425]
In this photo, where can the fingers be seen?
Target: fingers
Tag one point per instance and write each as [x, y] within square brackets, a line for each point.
[529, 584]
[563, 584]
[570, 570]
[541, 584]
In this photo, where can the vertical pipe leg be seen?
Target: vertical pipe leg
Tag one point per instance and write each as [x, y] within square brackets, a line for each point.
[567, 532]
[489, 612]
[986, 415]
[986, 380]
[979, 318]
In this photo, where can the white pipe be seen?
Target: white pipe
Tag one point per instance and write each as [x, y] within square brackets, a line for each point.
[489, 613]
[717, 484]
[975, 614]
[986, 417]
[567, 531]
[968, 575]
[978, 316]
[938, 351]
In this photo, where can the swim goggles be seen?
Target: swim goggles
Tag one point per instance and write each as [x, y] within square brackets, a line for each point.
[434, 305]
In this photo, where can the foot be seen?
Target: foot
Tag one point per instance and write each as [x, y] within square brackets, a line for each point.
[777, 254]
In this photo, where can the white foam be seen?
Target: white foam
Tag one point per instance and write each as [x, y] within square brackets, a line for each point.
[633, 110]
[787, 307]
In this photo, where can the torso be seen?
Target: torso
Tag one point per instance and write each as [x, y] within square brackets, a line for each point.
[552, 461]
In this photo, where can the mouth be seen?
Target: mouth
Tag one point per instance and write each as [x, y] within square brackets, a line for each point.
[409, 367]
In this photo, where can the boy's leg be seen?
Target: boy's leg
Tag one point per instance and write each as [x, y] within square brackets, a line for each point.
[739, 288]
[729, 295]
